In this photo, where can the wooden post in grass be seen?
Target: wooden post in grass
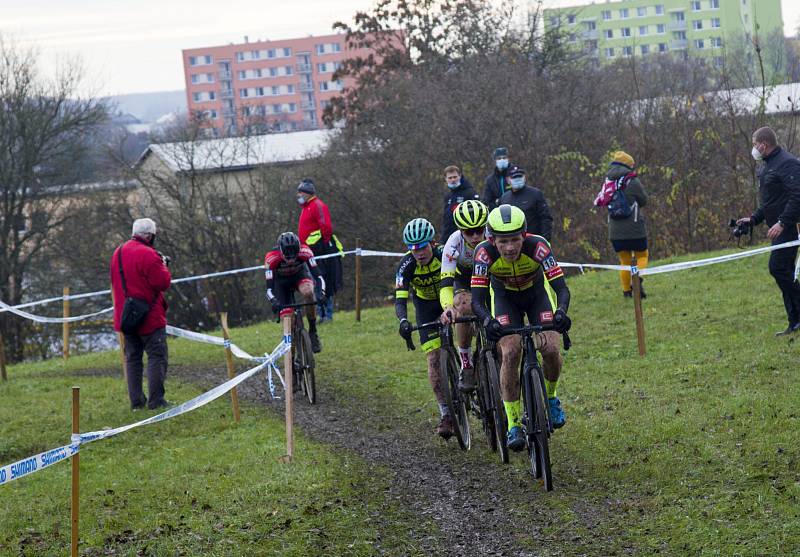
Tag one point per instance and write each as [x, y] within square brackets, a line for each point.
[637, 308]
[2, 357]
[121, 339]
[65, 327]
[223, 317]
[287, 372]
[358, 279]
[75, 514]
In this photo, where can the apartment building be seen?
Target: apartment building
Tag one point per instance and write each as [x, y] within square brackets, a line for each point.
[281, 85]
[612, 30]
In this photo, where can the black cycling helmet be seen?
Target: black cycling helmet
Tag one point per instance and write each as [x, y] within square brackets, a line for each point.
[289, 244]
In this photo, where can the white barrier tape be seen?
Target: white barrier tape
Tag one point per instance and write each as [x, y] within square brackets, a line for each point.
[583, 266]
[32, 464]
[189, 405]
[208, 339]
[43, 319]
[712, 260]
[369, 252]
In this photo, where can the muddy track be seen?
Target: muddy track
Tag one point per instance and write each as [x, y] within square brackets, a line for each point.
[475, 503]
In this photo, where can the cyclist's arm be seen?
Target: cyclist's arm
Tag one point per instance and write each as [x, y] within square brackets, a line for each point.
[271, 262]
[479, 284]
[449, 268]
[402, 284]
[553, 273]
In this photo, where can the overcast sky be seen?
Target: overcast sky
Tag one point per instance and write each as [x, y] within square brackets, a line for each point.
[132, 46]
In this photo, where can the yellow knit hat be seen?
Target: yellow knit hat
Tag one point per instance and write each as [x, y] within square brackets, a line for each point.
[624, 158]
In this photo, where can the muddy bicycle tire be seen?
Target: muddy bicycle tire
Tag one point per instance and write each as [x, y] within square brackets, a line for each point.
[496, 406]
[308, 379]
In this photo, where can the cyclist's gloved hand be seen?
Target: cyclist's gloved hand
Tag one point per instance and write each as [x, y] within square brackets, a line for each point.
[405, 329]
[321, 284]
[494, 330]
[276, 305]
[561, 322]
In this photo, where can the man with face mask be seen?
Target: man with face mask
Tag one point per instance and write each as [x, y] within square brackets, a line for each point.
[495, 183]
[316, 231]
[779, 207]
[137, 270]
[532, 202]
[458, 190]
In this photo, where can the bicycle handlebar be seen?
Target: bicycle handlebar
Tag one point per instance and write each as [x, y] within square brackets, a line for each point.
[528, 330]
[437, 323]
[300, 304]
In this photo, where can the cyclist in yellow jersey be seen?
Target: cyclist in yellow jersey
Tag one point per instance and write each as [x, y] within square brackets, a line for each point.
[470, 219]
[420, 272]
[524, 276]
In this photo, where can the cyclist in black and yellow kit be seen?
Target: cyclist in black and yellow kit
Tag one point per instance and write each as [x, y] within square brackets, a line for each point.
[524, 276]
[420, 271]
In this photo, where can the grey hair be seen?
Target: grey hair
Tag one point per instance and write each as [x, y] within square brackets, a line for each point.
[143, 226]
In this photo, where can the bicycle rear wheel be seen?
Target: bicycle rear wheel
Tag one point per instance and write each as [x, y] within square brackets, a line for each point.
[307, 365]
[456, 400]
[495, 405]
[539, 426]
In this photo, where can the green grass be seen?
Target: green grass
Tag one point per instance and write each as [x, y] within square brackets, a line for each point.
[692, 449]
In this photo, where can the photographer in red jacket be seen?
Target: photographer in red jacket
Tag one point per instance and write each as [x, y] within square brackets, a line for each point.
[146, 277]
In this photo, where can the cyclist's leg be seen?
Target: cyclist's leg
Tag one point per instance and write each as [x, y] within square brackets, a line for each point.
[543, 304]
[305, 286]
[463, 305]
[510, 351]
[427, 311]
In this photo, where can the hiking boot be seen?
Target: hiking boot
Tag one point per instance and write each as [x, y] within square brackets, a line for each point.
[515, 440]
[316, 345]
[627, 293]
[162, 404]
[466, 379]
[557, 416]
[445, 428]
[788, 330]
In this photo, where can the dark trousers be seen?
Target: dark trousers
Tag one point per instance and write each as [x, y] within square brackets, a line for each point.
[781, 267]
[155, 345]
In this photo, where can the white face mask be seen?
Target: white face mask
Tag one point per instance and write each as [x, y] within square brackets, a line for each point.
[301, 200]
[756, 154]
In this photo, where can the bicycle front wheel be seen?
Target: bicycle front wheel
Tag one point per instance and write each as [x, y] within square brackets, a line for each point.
[495, 406]
[456, 400]
[307, 366]
[539, 426]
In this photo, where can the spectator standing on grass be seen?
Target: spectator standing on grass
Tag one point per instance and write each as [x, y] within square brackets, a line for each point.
[143, 275]
[316, 231]
[627, 229]
[459, 190]
[532, 202]
[495, 184]
[779, 207]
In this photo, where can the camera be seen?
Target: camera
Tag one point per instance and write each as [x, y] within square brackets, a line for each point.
[739, 230]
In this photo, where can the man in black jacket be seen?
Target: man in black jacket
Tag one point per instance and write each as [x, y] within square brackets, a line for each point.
[532, 202]
[779, 206]
[458, 190]
[495, 185]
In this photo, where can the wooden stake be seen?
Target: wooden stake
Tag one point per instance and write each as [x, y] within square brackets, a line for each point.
[637, 308]
[223, 317]
[66, 324]
[76, 419]
[358, 279]
[2, 357]
[287, 372]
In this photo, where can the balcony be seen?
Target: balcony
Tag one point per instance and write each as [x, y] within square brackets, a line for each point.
[307, 105]
[590, 35]
[303, 68]
[676, 25]
[224, 74]
[679, 44]
[228, 112]
[226, 94]
[305, 86]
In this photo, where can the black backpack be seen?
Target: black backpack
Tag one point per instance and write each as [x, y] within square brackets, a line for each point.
[619, 208]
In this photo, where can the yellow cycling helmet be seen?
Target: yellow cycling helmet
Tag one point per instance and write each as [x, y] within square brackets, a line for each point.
[507, 220]
[470, 214]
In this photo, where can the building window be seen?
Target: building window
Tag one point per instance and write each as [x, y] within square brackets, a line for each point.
[715, 23]
[606, 14]
[698, 43]
[627, 51]
[662, 47]
[196, 97]
[645, 48]
[243, 93]
[259, 91]
[661, 28]
[271, 53]
[608, 33]
[555, 21]
[718, 61]
[641, 11]
[716, 42]
[287, 52]
[255, 54]
[289, 70]
[200, 60]
[194, 78]
[242, 74]
[625, 31]
[292, 107]
[240, 56]
[695, 5]
[643, 30]
[591, 25]
[697, 24]
[679, 16]
[571, 19]
[714, 4]
[680, 35]
[212, 95]
[623, 13]
[609, 53]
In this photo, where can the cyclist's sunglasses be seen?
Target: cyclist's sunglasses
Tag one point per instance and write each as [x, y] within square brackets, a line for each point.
[474, 231]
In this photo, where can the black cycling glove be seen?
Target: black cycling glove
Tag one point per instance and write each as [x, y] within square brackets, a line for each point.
[561, 322]
[405, 329]
[494, 330]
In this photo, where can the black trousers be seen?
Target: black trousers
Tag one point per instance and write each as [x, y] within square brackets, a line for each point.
[155, 346]
[781, 267]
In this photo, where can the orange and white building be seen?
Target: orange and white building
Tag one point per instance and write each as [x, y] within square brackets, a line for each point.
[264, 86]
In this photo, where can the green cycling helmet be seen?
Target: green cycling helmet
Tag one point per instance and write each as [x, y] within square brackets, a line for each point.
[418, 233]
[470, 214]
[507, 220]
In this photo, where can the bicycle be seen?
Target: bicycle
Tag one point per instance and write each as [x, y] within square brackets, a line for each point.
[535, 416]
[456, 401]
[302, 354]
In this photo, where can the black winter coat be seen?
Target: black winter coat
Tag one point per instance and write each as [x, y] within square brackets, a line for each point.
[537, 213]
[451, 200]
[494, 187]
[779, 189]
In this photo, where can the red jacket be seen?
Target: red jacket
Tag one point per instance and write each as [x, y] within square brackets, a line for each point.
[313, 217]
[146, 277]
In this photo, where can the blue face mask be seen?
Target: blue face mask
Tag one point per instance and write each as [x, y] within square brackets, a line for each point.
[453, 186]
[501, 164]
[517, 183]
